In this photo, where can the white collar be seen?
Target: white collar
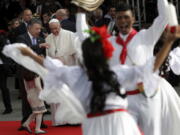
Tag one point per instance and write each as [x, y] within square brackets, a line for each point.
[25, 23]
[31, 37]
[124, 37]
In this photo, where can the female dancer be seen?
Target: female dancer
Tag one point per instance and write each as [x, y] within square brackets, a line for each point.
[33, 87]
[97, 91]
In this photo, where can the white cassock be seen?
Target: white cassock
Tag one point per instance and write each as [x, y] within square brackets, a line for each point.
[160, 114]
[64, 48]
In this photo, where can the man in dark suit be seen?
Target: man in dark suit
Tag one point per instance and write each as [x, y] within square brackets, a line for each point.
[21, 29]
[26, 17]
[108, 20]
[4, 71]
[32, 39]
[63, 17]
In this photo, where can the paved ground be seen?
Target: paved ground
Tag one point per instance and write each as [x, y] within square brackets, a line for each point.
[16, 103]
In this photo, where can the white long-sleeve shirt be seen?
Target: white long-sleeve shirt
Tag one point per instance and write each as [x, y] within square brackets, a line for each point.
[141, 46]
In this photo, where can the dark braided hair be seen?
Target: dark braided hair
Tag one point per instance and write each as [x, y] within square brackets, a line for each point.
[104, 81]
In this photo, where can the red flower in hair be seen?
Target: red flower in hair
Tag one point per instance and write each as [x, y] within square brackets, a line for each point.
[107, 46]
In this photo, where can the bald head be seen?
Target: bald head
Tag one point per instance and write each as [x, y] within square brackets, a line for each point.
[61, 14]
[27, 15]
[98, 13]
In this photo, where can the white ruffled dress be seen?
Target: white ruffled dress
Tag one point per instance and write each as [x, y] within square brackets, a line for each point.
[70, 87]
[60, 80]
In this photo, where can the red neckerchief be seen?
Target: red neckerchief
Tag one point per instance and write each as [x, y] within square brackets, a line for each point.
[120, 41]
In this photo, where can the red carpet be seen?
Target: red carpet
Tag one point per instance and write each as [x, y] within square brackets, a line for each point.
[10, 128]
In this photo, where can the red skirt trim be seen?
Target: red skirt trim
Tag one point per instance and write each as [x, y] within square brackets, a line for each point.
[91, 115]
[133, 92]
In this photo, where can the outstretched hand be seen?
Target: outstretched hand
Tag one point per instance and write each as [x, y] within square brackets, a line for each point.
[171, 34]
[44, 45]
[26, 51]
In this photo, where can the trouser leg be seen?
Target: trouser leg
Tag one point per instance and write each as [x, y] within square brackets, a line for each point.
[5, 91]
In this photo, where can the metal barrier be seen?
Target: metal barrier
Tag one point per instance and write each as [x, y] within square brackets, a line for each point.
[139, 8]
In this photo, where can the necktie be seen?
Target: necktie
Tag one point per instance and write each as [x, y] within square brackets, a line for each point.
[33, 41]
[120, 41]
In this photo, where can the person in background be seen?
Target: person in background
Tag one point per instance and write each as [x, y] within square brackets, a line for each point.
[62, 16]
[26, 17]
[21, 29]
[108, 20]
[97, 15]
[4, 71]
[45, 22]
[14, 23]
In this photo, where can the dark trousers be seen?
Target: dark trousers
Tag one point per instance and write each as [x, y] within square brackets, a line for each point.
[3, 86]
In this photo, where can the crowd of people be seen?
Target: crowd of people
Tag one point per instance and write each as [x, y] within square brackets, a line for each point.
[92, 68]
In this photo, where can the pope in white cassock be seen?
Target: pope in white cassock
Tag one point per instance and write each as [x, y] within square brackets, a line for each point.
[61, 43]
[61, 46]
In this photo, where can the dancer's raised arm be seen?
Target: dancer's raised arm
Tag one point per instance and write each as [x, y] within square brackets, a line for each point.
[34, 56]
[171, 34]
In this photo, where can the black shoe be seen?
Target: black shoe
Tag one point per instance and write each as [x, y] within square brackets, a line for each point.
[22, 128]
[74, 125]
[44, 126]
[19, 97]
[7, 111]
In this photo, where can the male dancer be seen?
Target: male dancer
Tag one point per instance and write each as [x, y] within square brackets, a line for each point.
[135, 48]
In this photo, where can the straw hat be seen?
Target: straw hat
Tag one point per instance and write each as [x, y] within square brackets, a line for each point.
[88, 5]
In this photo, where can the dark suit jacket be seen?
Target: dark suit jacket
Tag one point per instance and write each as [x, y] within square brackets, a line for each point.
[27, 40]
[21, 29]
[101, 22]
[106, 21]
[68, 25]
[3, 42]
